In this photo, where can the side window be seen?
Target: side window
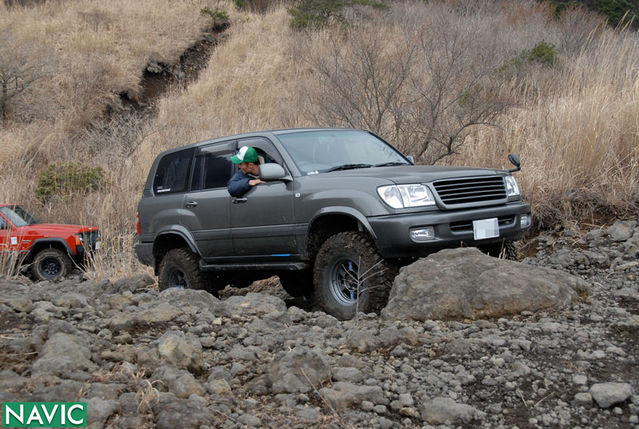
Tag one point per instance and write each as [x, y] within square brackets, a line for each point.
[212, 170]
[172, 174]
[265, 149]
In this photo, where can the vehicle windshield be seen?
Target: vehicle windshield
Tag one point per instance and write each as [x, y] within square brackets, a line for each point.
[329, 150]
[19, 216]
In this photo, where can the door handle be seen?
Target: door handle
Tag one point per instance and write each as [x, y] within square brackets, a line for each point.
[239, 200]
[191, 204]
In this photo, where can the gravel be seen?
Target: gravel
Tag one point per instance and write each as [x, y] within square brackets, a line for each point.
[181, 358]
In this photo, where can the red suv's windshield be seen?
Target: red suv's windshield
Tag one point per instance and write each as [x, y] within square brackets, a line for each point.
[19, 216]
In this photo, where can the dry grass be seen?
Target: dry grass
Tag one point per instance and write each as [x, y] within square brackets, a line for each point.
[574, 124]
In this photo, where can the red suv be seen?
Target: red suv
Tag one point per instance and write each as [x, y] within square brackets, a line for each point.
[51, 249]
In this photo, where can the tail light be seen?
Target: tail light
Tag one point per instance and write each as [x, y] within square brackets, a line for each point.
[138, 227]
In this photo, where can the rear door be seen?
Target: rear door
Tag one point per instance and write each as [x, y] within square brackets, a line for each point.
[262, 220]
[160, 210]
[206, 207]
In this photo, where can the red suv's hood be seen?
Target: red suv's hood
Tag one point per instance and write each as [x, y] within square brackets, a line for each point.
[57, 228]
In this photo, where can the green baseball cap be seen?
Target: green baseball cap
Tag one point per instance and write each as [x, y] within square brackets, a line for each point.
[245, 154]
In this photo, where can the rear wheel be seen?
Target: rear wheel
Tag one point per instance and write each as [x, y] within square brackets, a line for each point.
[350, 276]
[180, 268]
[51, 264]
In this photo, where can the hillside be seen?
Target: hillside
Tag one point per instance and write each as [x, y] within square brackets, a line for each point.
[562, 92]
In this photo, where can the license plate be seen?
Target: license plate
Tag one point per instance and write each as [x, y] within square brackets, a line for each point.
[486, 228]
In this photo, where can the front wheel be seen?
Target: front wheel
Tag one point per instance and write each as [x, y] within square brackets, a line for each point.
[350, 276]
[180, 268]
[51, 265]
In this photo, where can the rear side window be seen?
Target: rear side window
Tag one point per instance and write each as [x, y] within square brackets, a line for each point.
[172, 174]
[212, 170]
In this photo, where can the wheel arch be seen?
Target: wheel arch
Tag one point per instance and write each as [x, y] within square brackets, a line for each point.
[333, 220]
[47, 243]
[168, 240]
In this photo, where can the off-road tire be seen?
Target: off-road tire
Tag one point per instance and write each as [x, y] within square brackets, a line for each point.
[297, 283]
[180, 268]
[51, 265]
[505, 250]
[341, 260]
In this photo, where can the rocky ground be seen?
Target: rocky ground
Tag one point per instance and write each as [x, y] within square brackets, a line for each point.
[182, 358]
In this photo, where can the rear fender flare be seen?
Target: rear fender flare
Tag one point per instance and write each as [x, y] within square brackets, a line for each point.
[180, 231]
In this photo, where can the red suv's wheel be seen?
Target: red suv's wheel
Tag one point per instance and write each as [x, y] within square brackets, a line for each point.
[51, 264]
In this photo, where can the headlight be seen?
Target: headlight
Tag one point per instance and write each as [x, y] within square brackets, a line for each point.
[403, 196]
[512, 190]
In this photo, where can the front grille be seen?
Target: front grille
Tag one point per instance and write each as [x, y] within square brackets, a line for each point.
[467, 225]
[471, 190]
[90, 238]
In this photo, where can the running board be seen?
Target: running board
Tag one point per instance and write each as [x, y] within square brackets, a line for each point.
[283, 266]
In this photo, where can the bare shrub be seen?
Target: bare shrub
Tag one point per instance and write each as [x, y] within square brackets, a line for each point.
[21, 67]
[425, 89]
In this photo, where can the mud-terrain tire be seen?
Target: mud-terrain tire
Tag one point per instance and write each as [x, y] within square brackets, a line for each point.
[297, 283]
[505, 250]
[180, 268]
[350, 276]
[51, 265]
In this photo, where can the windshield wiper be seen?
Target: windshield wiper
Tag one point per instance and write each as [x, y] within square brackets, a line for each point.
[347, 167]
[388, 164]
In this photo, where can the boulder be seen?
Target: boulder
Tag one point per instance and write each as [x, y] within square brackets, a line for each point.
[464, 283]
[441, 410]
[608, 394]
[299, 371]
[66, 356]
[182, 350]
[345, 395]
[253, 304]
[621, 230]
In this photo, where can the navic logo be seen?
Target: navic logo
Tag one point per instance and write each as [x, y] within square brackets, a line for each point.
[44, 414]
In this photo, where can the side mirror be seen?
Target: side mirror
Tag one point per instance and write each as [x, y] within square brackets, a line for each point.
[273, 171]
[514, 160]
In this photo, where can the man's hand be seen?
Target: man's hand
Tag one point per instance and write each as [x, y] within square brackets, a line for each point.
[254, 182]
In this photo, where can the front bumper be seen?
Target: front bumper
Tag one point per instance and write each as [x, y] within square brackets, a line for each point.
[452, 229]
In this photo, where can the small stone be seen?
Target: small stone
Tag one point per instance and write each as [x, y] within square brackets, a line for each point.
[367, 406]
[579, 379]
[380, 409]
[584, 398]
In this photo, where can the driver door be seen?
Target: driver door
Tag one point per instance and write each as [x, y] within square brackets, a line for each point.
[262, 220]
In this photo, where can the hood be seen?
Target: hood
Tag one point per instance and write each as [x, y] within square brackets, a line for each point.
[58, 228]
[415, 173]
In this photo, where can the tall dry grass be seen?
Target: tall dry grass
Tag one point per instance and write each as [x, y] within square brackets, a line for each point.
[574, 124]
[579, 141]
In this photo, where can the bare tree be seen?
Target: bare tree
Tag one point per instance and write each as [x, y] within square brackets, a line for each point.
[20, 67]
[424, 88]
[454, 88]
[361, 83]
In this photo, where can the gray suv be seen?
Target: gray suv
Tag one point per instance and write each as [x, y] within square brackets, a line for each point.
[340, 211]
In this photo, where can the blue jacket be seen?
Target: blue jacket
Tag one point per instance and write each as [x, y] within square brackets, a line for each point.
[239, 184]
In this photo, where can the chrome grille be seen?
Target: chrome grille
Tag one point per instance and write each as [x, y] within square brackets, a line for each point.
[471, 190]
